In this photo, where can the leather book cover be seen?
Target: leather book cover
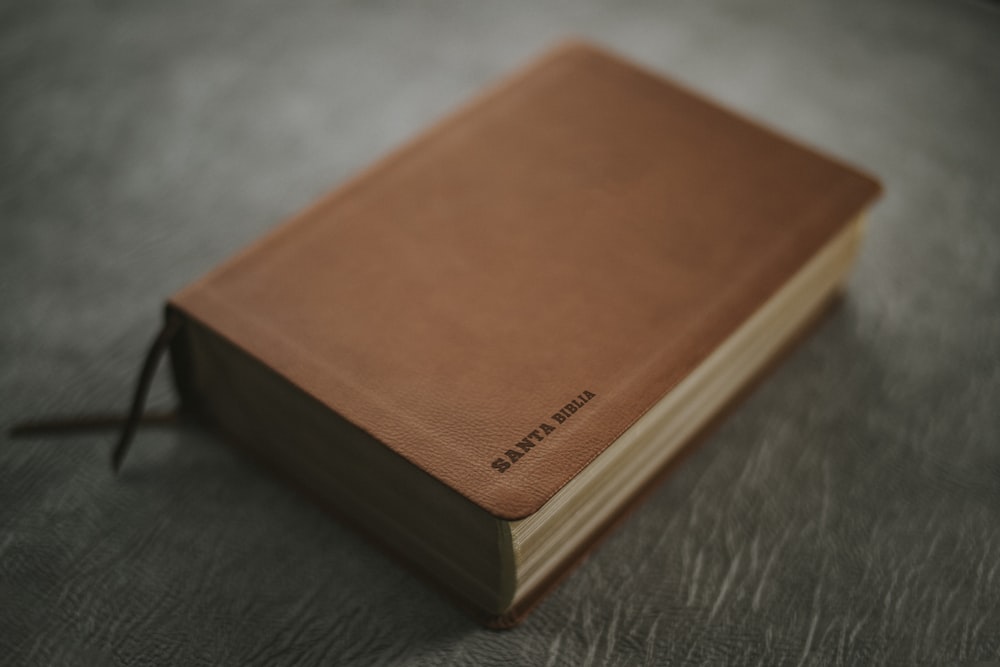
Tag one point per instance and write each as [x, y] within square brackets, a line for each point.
[502, 297]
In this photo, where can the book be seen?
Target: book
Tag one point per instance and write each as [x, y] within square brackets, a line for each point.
[481, 350]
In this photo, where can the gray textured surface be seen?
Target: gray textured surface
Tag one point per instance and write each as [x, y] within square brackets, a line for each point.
[848, 512]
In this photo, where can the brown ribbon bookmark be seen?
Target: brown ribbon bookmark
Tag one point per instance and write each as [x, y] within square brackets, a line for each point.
[160, 345]
[129, 423]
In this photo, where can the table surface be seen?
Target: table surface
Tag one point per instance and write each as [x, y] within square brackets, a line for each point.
[847, 511]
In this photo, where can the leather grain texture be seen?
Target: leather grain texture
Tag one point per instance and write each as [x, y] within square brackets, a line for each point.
[848, 512]
[501, 298]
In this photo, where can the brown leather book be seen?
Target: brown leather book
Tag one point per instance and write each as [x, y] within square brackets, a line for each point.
[483, 348]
